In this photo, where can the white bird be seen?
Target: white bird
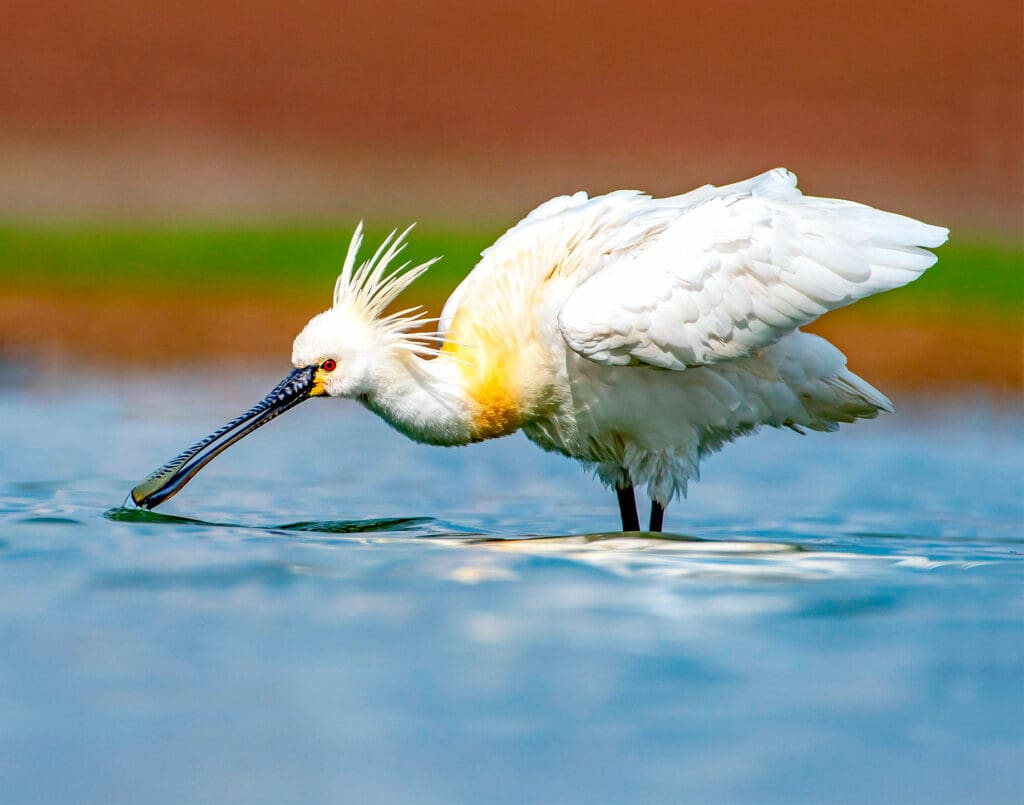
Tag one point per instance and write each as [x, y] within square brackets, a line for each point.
[633, 334]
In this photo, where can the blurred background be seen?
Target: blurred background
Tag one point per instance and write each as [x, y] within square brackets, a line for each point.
[180, 181]
[331, 607]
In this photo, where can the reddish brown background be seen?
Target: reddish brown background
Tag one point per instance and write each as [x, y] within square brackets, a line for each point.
[464, 113]
[479, 109]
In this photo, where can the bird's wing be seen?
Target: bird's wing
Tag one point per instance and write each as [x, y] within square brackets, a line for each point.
[548, 232]
[738, 268]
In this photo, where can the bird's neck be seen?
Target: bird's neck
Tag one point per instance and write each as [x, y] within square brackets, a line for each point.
[423, 399]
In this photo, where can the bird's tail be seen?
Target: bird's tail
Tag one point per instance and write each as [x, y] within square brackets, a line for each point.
[856, 398]
[828, 391]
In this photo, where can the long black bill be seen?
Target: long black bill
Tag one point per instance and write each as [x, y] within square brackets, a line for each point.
[164, 483]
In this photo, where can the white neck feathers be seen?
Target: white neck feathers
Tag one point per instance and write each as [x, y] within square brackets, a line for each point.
[423, 399]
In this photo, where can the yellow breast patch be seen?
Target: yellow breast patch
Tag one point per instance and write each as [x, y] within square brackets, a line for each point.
[489, 364]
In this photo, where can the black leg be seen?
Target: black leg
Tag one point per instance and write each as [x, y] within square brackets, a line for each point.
[657, 516]
[627, 508]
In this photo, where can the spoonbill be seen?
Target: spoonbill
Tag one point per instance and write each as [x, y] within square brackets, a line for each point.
[633, 334]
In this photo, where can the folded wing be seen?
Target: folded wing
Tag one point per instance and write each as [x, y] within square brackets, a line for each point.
[740, 267]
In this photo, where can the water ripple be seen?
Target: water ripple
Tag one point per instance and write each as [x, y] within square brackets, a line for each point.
[268, 574]
[126, 514]
[357, 526]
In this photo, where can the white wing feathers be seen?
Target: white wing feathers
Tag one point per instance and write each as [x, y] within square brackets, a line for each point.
[739, 267]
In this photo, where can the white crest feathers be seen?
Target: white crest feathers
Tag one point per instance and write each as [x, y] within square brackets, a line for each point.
[372, 287]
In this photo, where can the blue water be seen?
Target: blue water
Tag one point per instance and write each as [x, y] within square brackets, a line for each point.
[330, 613]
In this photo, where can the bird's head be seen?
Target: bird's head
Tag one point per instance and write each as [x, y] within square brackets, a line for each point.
[344, 350]
[339, 353]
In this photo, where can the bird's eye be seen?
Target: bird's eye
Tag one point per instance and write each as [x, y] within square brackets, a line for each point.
[329, 365]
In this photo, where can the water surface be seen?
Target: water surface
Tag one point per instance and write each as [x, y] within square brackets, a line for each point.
[332, 613]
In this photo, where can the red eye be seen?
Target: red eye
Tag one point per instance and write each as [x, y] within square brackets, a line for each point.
[329, 365]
